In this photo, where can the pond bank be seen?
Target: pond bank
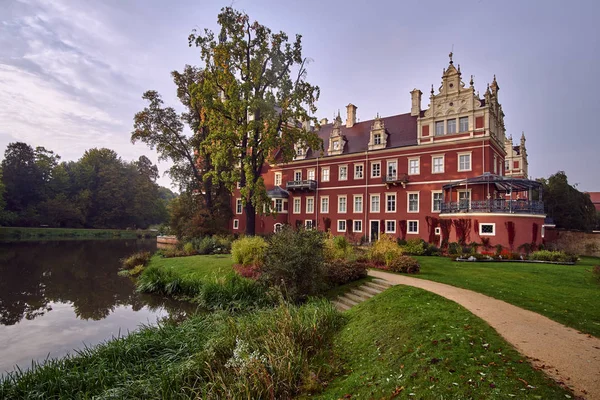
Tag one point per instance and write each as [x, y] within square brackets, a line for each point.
[16, 233]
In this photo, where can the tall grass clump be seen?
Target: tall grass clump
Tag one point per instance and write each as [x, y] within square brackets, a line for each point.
[249, 251]
[168, 282]
[139, 258]
[234, 293]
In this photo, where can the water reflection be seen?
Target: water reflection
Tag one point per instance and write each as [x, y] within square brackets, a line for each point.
[54, 296]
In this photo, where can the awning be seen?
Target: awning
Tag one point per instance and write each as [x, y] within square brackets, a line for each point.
[278, 193]
[501, 183]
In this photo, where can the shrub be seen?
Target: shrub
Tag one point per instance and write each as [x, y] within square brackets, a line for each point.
[414, 247]
[499, 249]
[340, 272]
[474, 247]
[526, 248]
[249, 250]
[337, 248]
[188, 249]
[405, 264]
[205, 245]
[295, 262]
[384, 250]
[400, 242]
[247, 271]
[548, 255]
[222, 244]
[431, 249]
[454, 248]
[139, 258]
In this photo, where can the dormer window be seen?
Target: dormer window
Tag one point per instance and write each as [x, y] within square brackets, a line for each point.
[300, 152]
[377, 138]
[336, 145]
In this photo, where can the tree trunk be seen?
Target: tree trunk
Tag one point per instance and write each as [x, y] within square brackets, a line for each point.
[250, 219]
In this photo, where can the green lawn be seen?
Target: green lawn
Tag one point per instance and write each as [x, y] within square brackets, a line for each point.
[197, 266]
[16, 233]
[414, 343]
[568, 294]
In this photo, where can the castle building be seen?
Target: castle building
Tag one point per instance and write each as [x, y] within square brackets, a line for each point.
[442, 173]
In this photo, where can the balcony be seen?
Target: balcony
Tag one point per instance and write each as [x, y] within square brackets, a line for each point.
[306, 185]
[395, 179]
[494, 206]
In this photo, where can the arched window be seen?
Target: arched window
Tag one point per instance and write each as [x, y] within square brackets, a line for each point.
[278, 227]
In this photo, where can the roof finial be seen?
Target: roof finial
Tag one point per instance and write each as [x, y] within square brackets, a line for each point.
[378, 115]
[432, 89]
[471, 81]
[459, 68]
[450, 55]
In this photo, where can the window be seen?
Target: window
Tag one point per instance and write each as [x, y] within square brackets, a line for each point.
[343, 173]
[277, 178]
[298, 175]
[376, 170]
[487, 229]
[438, 231]
[439, 128]
[390, 226]
[297, 205]
[358, 171]
[464, 200]
[236, 224]
[451, 126]
[342, 204]
[463, 124]
[277, 227]
[238, 206]
[413, 227]
[237, 185]
[436, 201]
[357, 226]
[495, 165]
[358, 203]
[392, 169]
[310, 205]
[336, 144]
[299, 151]
[506, 165]
[324, 205]
[413, 202]
[413, 166]
[377, 138]
[310, 174]
[438, 164]
[464, 162]
[390, 203]
[325, 174]
[341, 225]
[308, 224]
[374, 203]
[278, 205]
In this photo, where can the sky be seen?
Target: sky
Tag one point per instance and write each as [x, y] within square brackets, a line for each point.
[72, 72]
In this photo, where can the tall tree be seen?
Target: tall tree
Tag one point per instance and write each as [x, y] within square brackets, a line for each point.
[570, 208]
[254, 94]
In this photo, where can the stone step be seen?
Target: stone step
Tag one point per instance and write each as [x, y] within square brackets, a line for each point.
[376, 286]
[353, 297]
[346, 301]
[382, 282]
[362, 293]
[341, 306]
[370, 289]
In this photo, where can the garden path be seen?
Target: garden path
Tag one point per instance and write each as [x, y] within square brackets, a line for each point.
[568, 356]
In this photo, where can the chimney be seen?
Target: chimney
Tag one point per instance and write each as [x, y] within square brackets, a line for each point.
[306, 125]
[323, 121]
[351, 120]
[415, 109]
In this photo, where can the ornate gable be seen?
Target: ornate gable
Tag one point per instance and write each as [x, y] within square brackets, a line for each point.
[337, 141]
[378, 135]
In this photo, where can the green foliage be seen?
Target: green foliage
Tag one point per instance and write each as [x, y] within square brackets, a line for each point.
[384, 250]
[556, 256]
[212, 244]
[249, 250]
[139, 258]
[295, 263]
[343, 271]
[189, 249]
[454, 248]
[337, 248]
[234, 293]
[414, 247]
[405, 264]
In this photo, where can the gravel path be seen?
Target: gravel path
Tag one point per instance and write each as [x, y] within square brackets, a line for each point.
[568, 356]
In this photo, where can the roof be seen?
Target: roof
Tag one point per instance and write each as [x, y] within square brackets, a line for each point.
[595, 197]
[402, 131]
[501, 183]
[278, 193]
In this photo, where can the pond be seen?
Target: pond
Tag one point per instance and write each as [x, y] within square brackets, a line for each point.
[57, 296]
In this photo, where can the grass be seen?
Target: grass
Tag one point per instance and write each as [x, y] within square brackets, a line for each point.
[407, 342]
[15, 233]
[568, 294]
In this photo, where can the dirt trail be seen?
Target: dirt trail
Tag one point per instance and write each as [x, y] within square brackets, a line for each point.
[568, 356]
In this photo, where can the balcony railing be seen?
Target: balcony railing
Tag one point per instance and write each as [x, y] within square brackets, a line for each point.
[307, 184]
[394, 179]
[494, 206]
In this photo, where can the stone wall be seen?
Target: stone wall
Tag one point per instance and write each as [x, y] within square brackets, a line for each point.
[580, 243]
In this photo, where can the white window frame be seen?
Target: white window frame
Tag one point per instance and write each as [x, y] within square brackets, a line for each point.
[506, 165]
[236, 224]
[310, 203]
[460, 130]
[277, 179]
[387, 168]
[458, 192]
[437, 231]
[470, 161]
[238, 185]
[321, 204]
[375, 136]
[340, 173]
[239, 206]
[362, 204]
[340, 221]
[408, 210]
[481, 233]
[310, 174]
[362, 171]
[340, 197]
[433, 158]
[378, 163]
[325, 176]
[433, 193]
[275, 205]
[435, 128]
[408, 227]
[371, 197]
[448, 126]
[386, 226]
[308, 224]
[395, 203]
[418, 170]
[278, 224]
[297, 173]
[297, 201]
[354, 226]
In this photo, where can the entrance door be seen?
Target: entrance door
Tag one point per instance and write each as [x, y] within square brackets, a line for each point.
[374, 231]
